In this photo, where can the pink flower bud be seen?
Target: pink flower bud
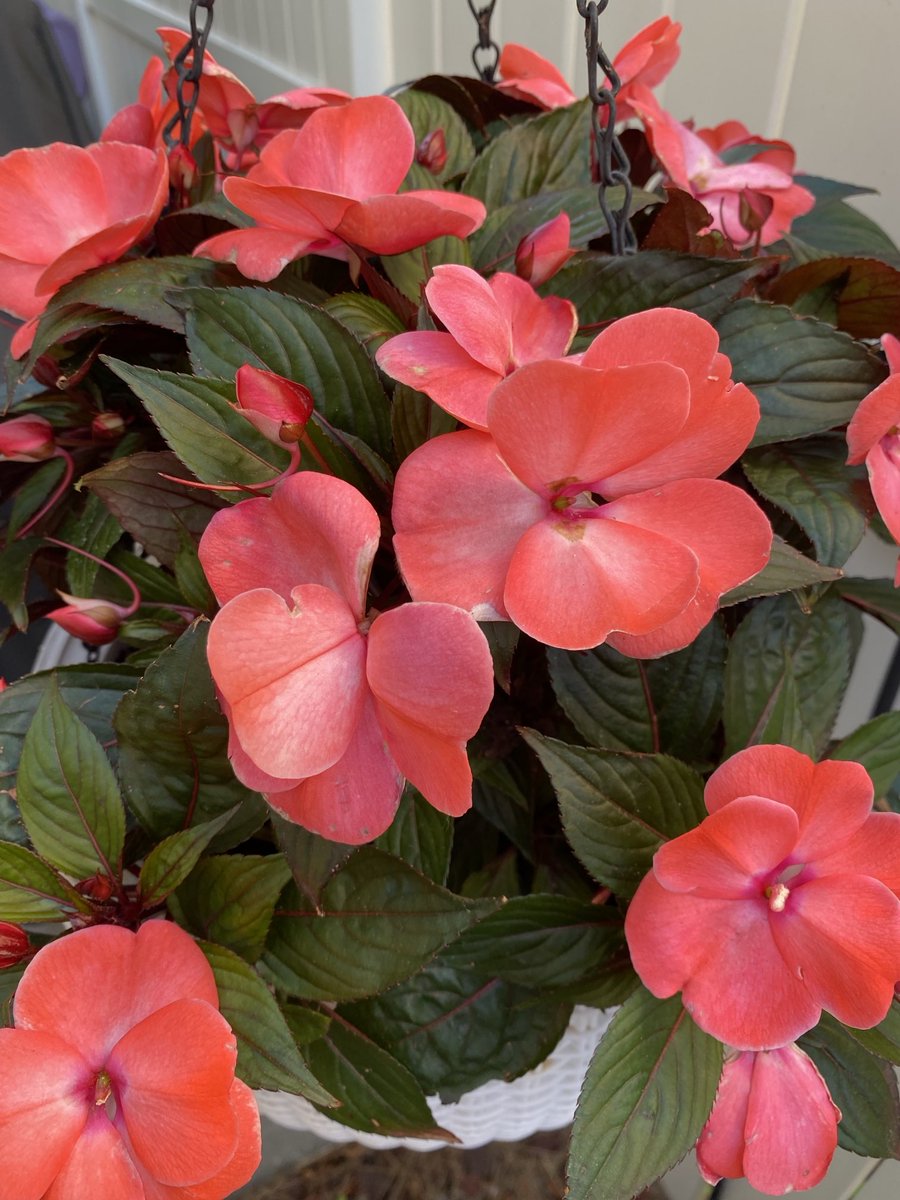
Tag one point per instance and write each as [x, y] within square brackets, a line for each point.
[183, 172]
[107, 426]
[26, 439]
[431, 152]
[96, 622]
[14, 944]
[541, 253]
[96, 887]
[277, 407]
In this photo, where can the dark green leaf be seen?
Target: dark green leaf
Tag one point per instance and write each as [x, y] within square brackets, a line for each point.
[376, 1092]
[862, 1086]
[876, 596]
[617, 809]
[30, 890]
[267, 1054]
[199, 422]
[312, 859]
[828, 190]
[171, 861]
[427, 114]
[415, 418]
[15, 565]
[647, 1094]
[305, 1024]
[688, 689]
[367, 319]
[230, 899]
[154, 584]
[810, 480]
[67, 794]
[884, 1039]
[877, 746]
[96, 530]
[455, 1031]
[786, 571]
[377, 921]
[421, 836]
[155, 511]
[232, 326]
[539, 940]
[32, 494]
[865, 292]
[91, 691]
[807, 376]
[502, 638]
[840, 228]
[173, 740]
[603, 287]
[544, 154]
[191, 579]
[606, 697]
[778, 645]
[409, 272]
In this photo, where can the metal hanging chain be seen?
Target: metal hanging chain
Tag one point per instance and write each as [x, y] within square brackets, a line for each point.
[187, 87]
[488, 69]
[613, 166]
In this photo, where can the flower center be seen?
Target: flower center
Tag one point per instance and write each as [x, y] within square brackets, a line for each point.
[103, 1094]
[777, 895]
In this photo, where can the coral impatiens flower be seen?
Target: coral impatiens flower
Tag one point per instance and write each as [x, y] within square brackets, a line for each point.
[590, 510]
[645, 61]
[773, 1121]
[330, 709]
[332, 188]
[118, 1078]
[236, 119]
[493, 326]
[748, 201]
[780, 904]
[65, 209]
[873, 437]
[531, 77]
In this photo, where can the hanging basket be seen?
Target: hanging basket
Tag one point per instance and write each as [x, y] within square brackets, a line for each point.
[539, 1101]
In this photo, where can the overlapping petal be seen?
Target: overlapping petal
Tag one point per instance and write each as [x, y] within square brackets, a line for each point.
[99, 1165]
[529, 76]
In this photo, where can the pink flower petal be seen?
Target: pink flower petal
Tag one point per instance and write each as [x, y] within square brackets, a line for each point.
[788, 1155]
[18, 287]
[558, 421]
[542, 327]
[832, 799]
[80, 967]
[841, 935]
[874, 849]
[38, 218]
[355, 800]
[884, 478]
[891, 347]
[392, 224]
[469, 310]
[105, 246]
[720, 1147]
[726, 854]
[531, 77]
[306, 213]
[722, 956]
[313, 529]
[99, 1165]
[259, 254]
[435, 364]
[173, 1074]
[430, 670]
[292, 675]
[43, 1109]
[571, 583]
[459, 512]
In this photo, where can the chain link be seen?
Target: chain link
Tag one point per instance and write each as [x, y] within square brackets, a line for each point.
[487, 69]
[187, 87]
[613, 166]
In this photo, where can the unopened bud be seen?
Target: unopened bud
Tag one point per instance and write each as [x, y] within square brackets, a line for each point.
[431, 152]
[96, 887]
[107, 427]
[279, 408]
[183, 172]
[541, 253]
[96, 622]
[27, 439]
[14, 944]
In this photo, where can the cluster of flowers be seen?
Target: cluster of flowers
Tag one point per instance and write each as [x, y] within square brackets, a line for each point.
[582, 501]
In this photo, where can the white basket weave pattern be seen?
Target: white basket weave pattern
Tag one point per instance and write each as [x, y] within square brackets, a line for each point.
[542, 1099]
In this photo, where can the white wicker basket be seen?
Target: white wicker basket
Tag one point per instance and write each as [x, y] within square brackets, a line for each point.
[542, 1099]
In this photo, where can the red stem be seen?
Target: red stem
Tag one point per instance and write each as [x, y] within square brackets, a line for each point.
[48, 504]
[127, 580]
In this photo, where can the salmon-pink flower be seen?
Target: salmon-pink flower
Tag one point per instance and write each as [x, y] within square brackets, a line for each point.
[279, 408]
[541, 253]
[773, 1121]
[645, 61]
[590, 509]
[332, 188]
[14, 943]
[493, 327]
[747, 201]
[27, 439]
[873, 437]
[118, 1078]
[232, 114]
[65, 209]
[780, 904]
[96, 622]
[330, 708]
[142, 123]
[529, 76]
